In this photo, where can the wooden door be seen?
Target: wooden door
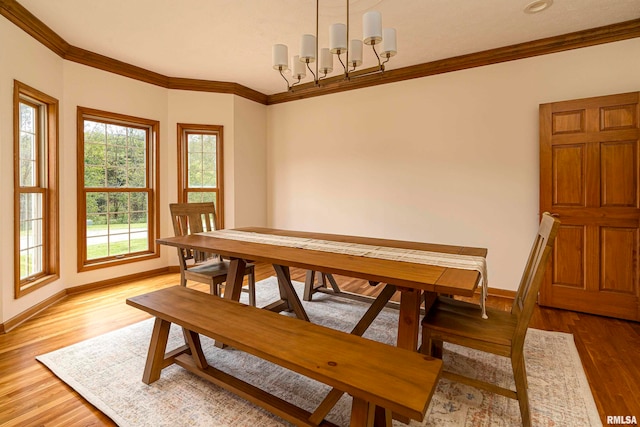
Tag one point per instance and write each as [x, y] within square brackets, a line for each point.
[589, 175]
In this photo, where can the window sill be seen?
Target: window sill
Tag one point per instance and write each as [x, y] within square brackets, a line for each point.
[88, 266]
[25, 288]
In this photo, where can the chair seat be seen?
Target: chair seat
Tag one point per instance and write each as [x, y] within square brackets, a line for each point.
[215, 269]
[464, 320]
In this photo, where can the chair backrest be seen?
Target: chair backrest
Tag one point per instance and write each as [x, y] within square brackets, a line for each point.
[189, 218]
[527, 294]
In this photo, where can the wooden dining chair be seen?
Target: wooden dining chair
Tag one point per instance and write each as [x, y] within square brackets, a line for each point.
[311, 288]
[503, 333]
[189, 218]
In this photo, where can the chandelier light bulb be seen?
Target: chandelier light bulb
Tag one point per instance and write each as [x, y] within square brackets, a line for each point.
[338, 38]
[326, 61]
[355, 55]
[389, 44]
[298, 70]
[308, 48]
[372, 27]
[280, 57]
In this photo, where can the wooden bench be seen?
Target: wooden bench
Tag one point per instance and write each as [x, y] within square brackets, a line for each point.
[380, 378]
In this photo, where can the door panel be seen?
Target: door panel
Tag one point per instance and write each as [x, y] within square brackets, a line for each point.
[619, 181]
[619, 117]
[589, 178]
[569, 245]
[568, 175]
[618, 253]
[568, 122]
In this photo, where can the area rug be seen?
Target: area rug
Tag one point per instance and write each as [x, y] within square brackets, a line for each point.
[107, 371]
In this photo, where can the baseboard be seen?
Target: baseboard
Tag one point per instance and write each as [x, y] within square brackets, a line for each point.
[502, 293]
[117, 280]
[174, 269]
[29, 313]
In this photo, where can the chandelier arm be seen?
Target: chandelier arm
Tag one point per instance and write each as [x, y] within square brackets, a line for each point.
[293, 84]
[373, 46]
[346, 72]
[285, 79]
[314, 74]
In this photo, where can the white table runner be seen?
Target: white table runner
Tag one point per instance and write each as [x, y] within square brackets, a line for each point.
[465, 262]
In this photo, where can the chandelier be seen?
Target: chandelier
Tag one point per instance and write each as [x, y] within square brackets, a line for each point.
[373, 35]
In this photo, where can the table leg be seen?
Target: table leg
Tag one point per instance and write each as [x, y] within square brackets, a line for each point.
[333, 283]
[288, 293]
[235, 275]
[409, 318]
[233, 284]
[308, 285]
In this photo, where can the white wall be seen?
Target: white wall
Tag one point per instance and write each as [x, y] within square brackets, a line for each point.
[250, 166]
[451, 158]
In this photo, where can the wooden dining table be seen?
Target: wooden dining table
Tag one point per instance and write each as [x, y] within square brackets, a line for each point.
[415, 282]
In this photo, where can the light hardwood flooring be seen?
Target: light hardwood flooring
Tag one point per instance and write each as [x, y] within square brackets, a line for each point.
[30, 395]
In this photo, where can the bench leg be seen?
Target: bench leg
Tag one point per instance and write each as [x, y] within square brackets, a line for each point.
[365, 414]
[157, 348]
[193, 340]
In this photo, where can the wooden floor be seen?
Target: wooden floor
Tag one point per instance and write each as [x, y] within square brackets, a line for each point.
[30, 395]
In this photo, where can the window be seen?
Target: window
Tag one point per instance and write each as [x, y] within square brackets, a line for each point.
[35, 188]
[200, 166]
[118, 213]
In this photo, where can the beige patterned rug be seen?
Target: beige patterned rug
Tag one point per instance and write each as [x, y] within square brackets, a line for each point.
[107, 371]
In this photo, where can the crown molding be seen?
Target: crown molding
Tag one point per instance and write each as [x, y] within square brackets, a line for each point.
[576, 40]
[217, 87]
[105, 63]
[21, 17]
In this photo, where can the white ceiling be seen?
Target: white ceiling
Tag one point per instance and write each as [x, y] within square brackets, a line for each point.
[231, 40]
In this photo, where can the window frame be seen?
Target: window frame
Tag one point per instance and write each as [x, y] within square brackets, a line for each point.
[183, 171]
[152, 188]
[47, 184]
